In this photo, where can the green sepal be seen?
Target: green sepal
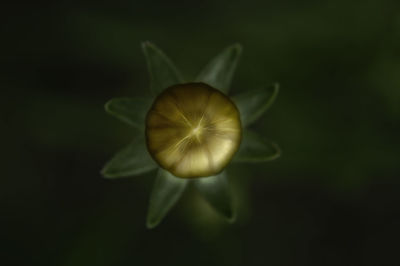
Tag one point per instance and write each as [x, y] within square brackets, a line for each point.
[163, 73]
[132, 160]
[217, 192]
[167, 190]
[219, 72]
[252, 104]
[130, 110]
[255, 148]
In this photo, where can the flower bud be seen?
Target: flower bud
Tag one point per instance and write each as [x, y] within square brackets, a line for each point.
[193, 130]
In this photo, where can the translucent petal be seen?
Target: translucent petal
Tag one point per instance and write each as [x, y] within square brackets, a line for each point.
[167, 190]
[255, 148]
[217, 192]
[130, 110]
[162, 70]
[219, 72]
[252, 104]
[132, 160]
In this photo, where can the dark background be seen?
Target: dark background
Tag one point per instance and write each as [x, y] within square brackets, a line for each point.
[331, 199]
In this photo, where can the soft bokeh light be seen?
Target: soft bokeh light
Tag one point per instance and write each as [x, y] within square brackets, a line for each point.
[331, 199]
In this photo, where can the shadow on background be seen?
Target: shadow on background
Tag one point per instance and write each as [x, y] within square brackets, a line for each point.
[332, 199]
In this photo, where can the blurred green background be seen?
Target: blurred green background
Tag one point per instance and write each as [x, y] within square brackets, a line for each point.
[332, 198]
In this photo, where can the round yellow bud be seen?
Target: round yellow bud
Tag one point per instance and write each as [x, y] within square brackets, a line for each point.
[193, 130]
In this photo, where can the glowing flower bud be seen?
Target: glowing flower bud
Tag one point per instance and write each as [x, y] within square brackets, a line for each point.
[193, 130]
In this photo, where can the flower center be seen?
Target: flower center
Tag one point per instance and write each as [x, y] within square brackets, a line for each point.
[196, 132]
[193, 130]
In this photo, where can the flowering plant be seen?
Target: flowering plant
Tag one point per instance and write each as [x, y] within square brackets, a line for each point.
[190, 132]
